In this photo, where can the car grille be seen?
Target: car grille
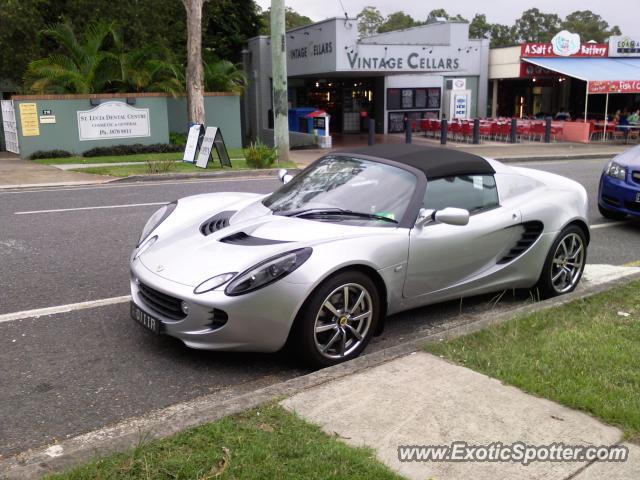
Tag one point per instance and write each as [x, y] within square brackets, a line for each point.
[633, 206]
[636, 177]
[161, 302]
[217, 222]
[532, 231]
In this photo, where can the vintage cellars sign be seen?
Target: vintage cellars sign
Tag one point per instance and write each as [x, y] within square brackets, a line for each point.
[113, 120]
[412, 61]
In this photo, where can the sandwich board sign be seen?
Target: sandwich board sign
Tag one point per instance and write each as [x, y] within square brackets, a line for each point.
[192, 143]
[213, 140]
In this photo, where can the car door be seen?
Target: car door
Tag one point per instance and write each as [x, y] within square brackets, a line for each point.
[442, 256]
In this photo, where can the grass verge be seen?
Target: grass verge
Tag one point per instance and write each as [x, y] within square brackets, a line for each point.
[583, 355]
[143, 169]
[141, 157]
[263, 443]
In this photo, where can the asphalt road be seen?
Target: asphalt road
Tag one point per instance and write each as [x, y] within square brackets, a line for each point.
[70, 373]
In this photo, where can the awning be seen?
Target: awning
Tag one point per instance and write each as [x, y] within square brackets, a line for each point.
[604, 75]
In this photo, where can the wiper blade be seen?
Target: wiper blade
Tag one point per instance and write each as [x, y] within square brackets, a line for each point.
[336, 211]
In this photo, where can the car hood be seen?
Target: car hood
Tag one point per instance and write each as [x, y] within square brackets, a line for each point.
[629, 158]
[185, 255]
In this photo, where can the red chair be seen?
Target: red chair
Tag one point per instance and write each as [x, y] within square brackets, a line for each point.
[467, 131]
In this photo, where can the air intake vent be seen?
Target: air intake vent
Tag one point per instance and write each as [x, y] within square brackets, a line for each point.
[532, 231]
[242, 238]
[217, 222]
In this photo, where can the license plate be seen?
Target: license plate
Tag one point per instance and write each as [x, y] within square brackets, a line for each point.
[144, 319]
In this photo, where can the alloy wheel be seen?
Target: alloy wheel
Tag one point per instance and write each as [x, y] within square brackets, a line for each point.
[568, 263]
[343, 321]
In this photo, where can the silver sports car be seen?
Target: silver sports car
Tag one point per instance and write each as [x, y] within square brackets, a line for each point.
[356, 236]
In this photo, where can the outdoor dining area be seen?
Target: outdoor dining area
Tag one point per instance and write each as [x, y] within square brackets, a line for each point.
[532, 130]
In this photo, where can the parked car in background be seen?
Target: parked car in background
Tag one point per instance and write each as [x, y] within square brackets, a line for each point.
[619, 191]
[356, 236]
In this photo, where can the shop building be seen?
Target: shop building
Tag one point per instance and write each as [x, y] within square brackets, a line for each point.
[566, 78]
[421, 72]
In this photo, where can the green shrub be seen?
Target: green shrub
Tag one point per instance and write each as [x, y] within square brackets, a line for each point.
[116, 150]
[176, 138]
[40, 154]
[259, 155]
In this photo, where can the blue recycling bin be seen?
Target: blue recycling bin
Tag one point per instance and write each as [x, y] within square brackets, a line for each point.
[298, 121]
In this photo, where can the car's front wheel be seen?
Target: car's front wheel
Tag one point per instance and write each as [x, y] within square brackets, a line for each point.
[610, 214]
[565, 263]
[338, 320]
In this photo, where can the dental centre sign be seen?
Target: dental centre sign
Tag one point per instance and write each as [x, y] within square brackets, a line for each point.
[112, 120]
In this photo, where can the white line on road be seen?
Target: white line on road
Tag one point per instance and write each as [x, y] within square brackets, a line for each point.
[157, 183]
[610, 224]
[90, 208]
[39, 312]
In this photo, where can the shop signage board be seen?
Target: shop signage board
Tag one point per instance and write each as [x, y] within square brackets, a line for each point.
[29, 120]
[528, 70]
[564, 44]
[192, 143]
[213, 140]
[113, 120]
[614, 86]
[624, 46]
[460, 104]
[459, 84]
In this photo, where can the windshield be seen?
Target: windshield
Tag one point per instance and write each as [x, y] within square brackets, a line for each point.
[347, 184]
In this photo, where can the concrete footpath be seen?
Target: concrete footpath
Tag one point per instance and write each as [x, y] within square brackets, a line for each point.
[18, 173]
[421, 399]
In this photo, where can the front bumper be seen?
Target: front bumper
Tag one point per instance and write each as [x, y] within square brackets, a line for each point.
[259, 321]
[619, 195]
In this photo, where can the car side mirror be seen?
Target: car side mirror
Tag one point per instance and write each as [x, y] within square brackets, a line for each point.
[448, 216]
[284, 176]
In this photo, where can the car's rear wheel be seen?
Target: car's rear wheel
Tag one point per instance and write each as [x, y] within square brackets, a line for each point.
[338, 320]
[610, 214]
[565, 263]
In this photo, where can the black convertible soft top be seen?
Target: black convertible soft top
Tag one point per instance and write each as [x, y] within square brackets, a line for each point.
[435, 162]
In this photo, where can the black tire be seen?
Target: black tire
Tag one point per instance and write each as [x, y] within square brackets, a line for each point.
[610, 214]
[303, 339]
[546, 288]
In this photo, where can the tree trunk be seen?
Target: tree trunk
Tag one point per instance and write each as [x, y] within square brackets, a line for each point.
[195, 73]
[279, 75]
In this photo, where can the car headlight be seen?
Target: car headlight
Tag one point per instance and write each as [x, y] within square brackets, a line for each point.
[156, 219]
[616, 170]
[268, 272]
[214, 282]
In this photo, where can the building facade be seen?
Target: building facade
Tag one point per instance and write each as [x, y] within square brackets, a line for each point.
[388, 77]
[566, 78]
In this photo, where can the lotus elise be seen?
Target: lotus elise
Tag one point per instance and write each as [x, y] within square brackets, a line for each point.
[356, 236]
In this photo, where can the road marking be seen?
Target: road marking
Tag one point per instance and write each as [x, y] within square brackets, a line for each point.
[130, 205]
[72, 307]
[156, 183]
[557, 162]
[632, 264]
[610, 224]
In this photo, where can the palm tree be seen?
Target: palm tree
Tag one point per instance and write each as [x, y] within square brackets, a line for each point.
[143, 70]
[82, 66]
[224, 76]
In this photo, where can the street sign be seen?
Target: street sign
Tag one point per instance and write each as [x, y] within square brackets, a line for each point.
[213, 140]
[192, 143]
